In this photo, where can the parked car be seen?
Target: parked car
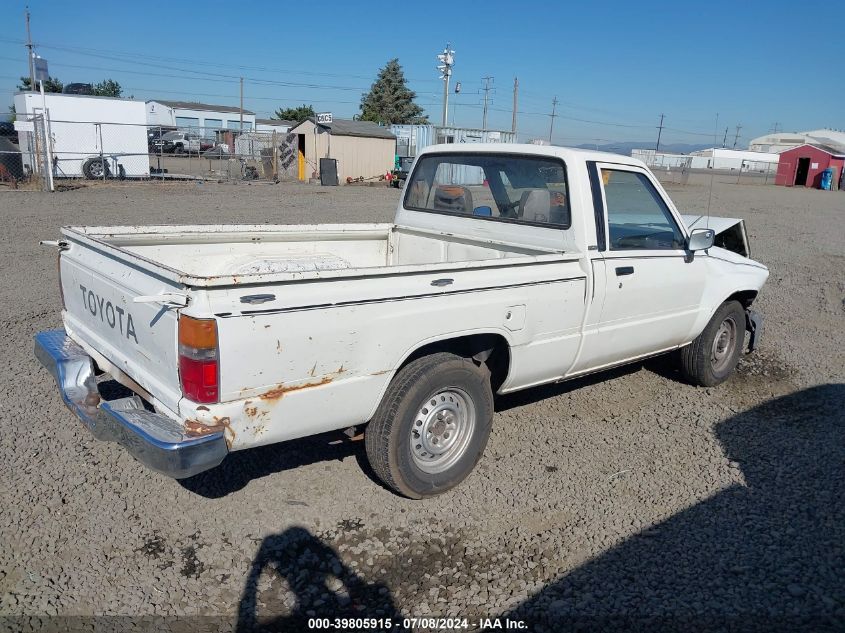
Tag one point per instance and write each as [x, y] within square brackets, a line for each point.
[154, 140]
[507, 267]
[178, 143]
[78, 89]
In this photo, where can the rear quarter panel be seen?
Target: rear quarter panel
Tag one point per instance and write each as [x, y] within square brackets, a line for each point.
[308, 364]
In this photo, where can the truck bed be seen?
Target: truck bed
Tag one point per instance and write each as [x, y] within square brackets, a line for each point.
[222, 255]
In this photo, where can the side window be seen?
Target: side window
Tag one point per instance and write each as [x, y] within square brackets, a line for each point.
[637, 216]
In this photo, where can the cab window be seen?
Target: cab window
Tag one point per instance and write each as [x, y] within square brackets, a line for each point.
[637, 216]
[512, 188]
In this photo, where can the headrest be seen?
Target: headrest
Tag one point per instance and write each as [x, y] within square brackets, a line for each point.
[535, 205]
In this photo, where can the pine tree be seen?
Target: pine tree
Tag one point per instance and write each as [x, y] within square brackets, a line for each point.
[390, 100]
[51, 84]
[298, 114]
[107, 88]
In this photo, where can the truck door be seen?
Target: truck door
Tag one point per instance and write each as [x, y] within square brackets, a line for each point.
[653, 289]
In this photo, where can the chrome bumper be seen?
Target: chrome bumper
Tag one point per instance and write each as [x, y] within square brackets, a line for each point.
[153, 439]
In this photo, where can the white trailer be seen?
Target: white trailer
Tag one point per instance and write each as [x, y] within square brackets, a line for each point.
[83, 128]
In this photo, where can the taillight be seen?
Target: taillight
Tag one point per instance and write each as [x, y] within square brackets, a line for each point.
[199, 371]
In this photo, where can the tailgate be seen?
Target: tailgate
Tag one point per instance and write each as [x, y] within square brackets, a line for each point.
[140, 339]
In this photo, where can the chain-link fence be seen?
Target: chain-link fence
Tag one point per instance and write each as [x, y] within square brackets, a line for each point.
[45, 152]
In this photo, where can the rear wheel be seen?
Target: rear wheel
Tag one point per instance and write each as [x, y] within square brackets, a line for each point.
[432, 425]
[712, 357]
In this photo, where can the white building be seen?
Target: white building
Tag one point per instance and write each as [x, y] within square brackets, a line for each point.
[84, 127]
[782, 141]
[746, 160]
[202, 117]
[714, 158]
[274, 125]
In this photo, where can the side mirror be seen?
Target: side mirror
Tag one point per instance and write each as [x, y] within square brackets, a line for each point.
[701, 239]
[483, 211]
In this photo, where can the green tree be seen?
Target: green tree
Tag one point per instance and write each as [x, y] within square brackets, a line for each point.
[107, 88]
[298, 114]
[51, 85]
[390, 100]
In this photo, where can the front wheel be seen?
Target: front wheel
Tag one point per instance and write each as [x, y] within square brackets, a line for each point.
[432, 425]
[712, 357]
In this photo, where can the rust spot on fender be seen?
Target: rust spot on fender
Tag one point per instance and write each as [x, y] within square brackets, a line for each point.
[276, 393]
[380, 373]
[202, 407]
[278, 346]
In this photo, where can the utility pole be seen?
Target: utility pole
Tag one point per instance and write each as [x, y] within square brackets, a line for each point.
[515, 93]
[736, 136]
[486, 89]
[242, 105]
[725, 140]
[447, 60]
[659, 133]
[552, 124]
[29, 46]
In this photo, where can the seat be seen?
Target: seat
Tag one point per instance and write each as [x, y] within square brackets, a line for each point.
[535, 205]
[543, 205]
[452, 198]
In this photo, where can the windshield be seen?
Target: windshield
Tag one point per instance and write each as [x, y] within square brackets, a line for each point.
[169, 136]
[509, 187]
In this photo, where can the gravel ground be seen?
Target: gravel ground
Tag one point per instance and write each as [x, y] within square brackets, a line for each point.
[625, 501]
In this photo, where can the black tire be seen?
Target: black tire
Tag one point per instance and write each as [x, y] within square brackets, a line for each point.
[92, 168]
[178, 149]
[706, 362]
[460, 389]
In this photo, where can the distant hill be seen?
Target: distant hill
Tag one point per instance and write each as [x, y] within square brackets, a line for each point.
[626, 147]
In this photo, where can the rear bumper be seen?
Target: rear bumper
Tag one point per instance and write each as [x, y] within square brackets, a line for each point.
[153, 439]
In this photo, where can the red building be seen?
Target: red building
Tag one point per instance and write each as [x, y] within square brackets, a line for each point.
[802, 166]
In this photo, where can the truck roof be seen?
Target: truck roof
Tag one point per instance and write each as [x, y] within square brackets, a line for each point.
[566, 153]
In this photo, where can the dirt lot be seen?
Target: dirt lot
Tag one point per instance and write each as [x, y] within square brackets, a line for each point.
[624, 501]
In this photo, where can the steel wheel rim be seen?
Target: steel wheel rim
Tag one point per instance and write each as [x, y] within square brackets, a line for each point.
[96, 169]
[441, 430]
[723, 345]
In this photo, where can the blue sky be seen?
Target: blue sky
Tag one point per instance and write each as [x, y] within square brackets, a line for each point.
[614, 66]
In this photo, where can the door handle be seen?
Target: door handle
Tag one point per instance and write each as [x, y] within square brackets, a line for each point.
[624, 270]
[442, 282]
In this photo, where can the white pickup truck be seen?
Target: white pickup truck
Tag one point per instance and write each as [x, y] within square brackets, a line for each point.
[507, 266]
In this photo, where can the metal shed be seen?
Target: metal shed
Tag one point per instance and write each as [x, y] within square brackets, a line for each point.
[802, 166]
[362, 149]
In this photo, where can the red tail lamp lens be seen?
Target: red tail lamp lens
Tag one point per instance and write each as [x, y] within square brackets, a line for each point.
[198, 360]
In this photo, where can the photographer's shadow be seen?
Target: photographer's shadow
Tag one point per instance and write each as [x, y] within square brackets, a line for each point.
[766, 555]
[307, 579]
